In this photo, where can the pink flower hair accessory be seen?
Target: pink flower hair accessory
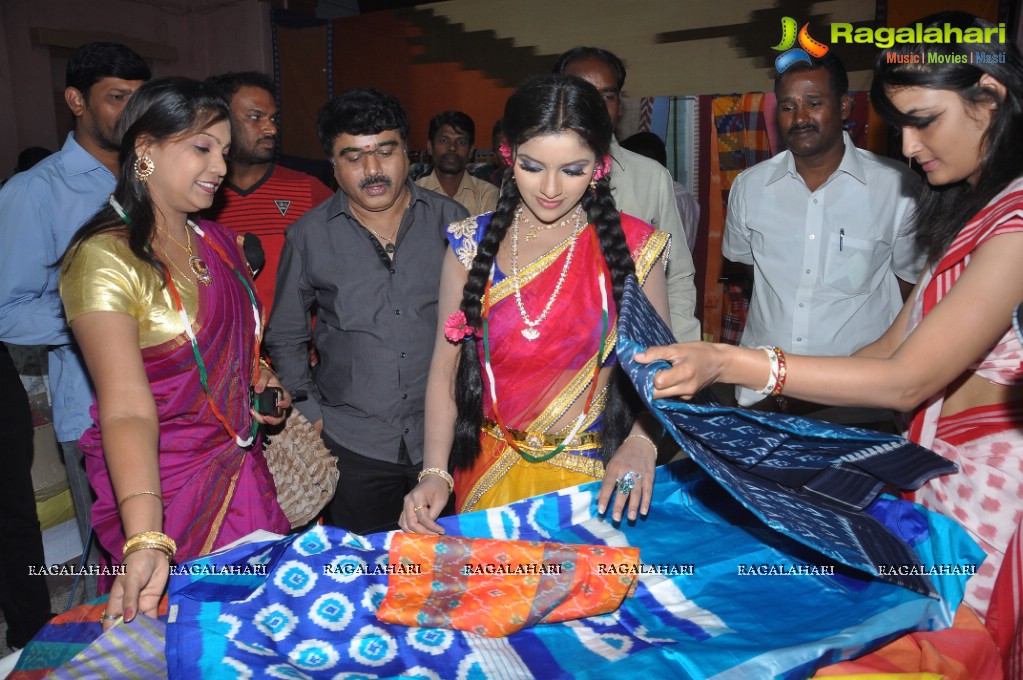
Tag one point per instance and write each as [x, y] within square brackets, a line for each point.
[602, 168]
[456, 328]
[505, 152]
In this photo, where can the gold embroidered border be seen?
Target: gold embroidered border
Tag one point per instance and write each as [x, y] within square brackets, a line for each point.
[489, 478]
[567, 460]
[652, 250]
[506, 287]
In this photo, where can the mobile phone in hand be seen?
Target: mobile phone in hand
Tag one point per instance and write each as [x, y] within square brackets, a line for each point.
[268, 402]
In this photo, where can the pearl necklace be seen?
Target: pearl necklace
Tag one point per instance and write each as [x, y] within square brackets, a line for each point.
[530, 332]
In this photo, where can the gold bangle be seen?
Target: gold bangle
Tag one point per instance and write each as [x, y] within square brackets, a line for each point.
[150, 539]
[138, 493]
[443, 474]
[644, 438]
[265, 364]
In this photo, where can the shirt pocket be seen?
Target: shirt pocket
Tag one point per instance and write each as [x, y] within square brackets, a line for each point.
[851, 263]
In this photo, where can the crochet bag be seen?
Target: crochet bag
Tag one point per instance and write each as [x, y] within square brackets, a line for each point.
[304, 471]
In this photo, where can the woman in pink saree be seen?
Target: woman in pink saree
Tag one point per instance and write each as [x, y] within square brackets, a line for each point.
[524, 394]
[950, 358]
[164, 312]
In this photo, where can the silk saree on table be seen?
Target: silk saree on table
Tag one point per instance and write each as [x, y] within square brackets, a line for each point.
[538, 380]
[214, 491]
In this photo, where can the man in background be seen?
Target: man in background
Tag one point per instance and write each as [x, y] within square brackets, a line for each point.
[452, 140]
[640, 186]
[825, 228]
[258, 196]
[650, 145]
[40, 210]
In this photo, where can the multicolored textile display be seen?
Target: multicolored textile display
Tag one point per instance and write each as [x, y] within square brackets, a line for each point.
[719, 595]
[814, 481]
[69, 635]
[495, 587]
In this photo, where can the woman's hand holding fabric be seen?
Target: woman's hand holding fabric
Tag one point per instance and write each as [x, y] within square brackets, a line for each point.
[423, 505]
[139, 588]
[638, 456]
[694, 365]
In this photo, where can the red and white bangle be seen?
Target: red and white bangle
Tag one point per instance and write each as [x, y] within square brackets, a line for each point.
[779, 371]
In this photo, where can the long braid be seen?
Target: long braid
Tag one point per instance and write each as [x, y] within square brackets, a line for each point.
[623, 403]
[469, 378]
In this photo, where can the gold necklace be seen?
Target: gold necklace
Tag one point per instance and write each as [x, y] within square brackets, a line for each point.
[535, 229]
[195, 263]
[179, 270]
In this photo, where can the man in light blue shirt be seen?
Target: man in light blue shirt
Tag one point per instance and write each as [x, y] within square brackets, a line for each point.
[40, 210]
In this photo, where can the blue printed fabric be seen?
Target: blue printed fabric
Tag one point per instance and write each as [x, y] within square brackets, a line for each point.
[720, 595]
[811, 480]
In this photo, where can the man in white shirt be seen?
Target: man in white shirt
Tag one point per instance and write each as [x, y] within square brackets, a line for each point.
[825, 226]
[640, 186]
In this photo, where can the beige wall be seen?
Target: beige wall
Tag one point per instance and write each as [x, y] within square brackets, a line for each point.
[178, 37]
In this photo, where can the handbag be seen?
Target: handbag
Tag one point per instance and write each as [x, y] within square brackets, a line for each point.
[304, 471]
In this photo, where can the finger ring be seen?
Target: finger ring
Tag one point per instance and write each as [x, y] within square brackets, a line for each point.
[417, 508]
[107, 617]
[627, 482]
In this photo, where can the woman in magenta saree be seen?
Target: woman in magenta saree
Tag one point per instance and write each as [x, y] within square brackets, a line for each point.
[525, 395]
[164, 312]
[214, 491]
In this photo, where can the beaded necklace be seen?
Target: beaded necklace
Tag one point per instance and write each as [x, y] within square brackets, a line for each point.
[530, 332]
[578, 423]
[189, 331]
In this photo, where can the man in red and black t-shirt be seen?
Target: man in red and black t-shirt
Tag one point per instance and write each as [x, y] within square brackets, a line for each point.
[258, 196]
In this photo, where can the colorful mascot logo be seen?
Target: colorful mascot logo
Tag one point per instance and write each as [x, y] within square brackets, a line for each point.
[808, 50]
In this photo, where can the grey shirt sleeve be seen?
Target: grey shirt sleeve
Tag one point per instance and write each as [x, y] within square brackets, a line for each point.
[289, 331]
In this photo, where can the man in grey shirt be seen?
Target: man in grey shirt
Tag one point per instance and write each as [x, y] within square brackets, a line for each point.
[367, 262]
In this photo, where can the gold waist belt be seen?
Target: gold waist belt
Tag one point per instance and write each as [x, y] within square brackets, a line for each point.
[540, 441]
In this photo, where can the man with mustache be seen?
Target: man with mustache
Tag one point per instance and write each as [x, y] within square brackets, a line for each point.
[258, 196]
[824, 227]
[368, 260]
[452, 135]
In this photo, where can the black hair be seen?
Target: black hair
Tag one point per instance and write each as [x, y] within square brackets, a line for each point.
[944, 210]
[30, 156]
[360, 111]
[546, 105]
[459, 122]
[647, 144]
[94, 61]
[838, 78]
[228, 84]
[577, 53]
[160, 110]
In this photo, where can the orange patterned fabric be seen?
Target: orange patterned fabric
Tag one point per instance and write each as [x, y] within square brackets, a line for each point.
[493, 588]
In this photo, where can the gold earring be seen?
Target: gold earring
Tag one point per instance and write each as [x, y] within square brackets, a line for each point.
[144, 168]
[593, 184]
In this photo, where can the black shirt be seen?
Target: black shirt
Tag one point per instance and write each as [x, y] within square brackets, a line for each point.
[376, 321]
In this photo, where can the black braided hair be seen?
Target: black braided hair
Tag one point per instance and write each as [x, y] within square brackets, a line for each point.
[546, 105]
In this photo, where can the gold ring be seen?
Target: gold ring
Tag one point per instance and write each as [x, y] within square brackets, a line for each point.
[107, 617]
[417, 508]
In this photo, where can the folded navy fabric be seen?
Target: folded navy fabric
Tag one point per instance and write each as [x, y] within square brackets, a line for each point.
[812, 481]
